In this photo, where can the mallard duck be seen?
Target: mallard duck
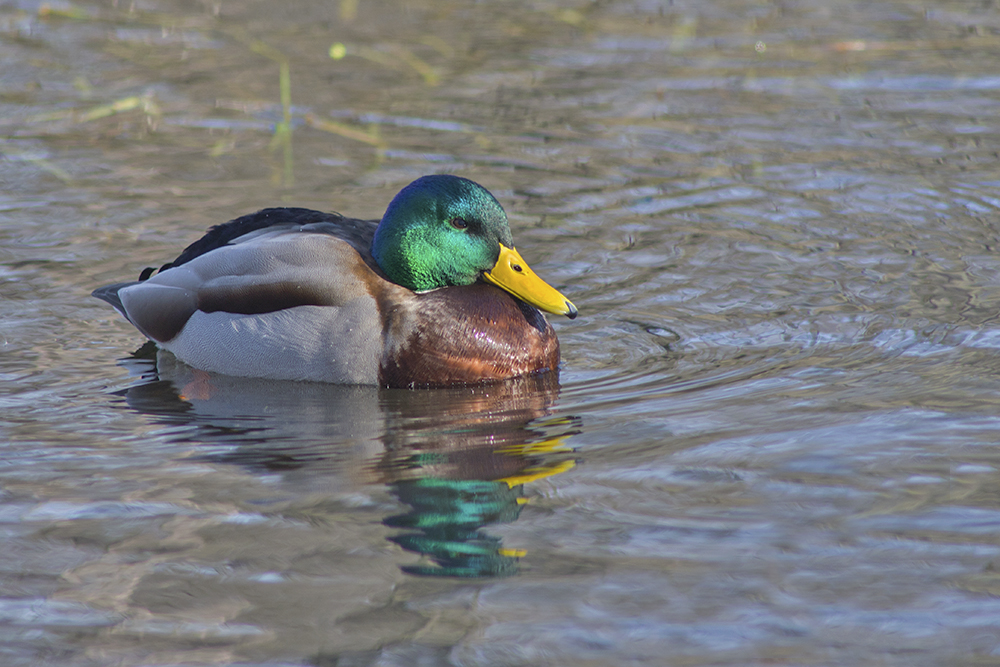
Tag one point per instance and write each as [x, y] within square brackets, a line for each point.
[433, 294]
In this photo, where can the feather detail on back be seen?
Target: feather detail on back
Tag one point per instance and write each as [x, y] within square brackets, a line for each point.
[282, 269]
[358, 233]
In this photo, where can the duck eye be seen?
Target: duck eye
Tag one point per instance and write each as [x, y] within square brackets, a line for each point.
[458, 223]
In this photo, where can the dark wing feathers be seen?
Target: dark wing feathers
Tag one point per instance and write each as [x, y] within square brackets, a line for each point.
[358, 233]
[161, 318]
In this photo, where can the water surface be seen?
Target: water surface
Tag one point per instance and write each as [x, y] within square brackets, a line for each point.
[771, 439]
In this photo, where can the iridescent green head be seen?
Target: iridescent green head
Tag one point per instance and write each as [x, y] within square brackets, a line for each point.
[443, 230]
[440, 231]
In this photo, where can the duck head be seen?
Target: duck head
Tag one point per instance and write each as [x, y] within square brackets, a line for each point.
[446, 230]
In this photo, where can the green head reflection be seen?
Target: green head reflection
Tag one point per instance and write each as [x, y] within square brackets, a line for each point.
[448, 515]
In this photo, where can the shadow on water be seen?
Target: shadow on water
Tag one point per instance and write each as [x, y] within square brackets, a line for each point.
[459, 457]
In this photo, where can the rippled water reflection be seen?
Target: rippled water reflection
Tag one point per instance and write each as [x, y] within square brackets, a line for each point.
[773, 437]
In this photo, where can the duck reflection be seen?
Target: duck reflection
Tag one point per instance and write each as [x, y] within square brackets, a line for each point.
[458, 457]
[465, 468]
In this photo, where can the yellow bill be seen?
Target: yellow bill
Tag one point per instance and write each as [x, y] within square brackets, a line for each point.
[511, 273]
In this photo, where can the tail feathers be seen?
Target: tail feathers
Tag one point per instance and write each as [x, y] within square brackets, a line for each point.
[109, 293]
